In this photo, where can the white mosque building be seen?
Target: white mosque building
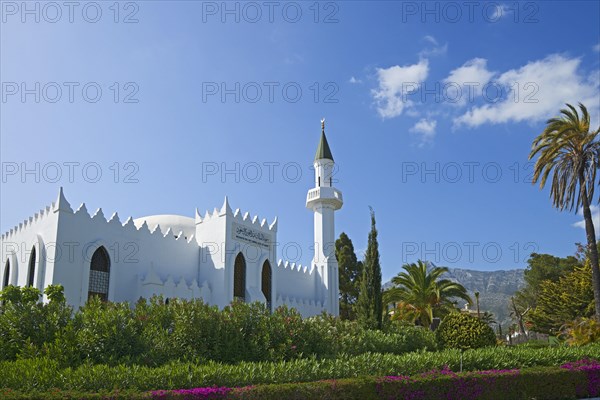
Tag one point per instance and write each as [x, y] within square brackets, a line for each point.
[219, 257]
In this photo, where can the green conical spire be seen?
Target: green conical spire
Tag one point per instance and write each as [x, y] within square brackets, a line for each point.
[323, 151]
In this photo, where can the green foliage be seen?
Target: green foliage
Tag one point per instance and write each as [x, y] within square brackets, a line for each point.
[536, 344]
[154, 333]
[544, 267]
[350, 270]
[531, 383]
[420, 294]
[408, 340]
[462, 331]
[43, 374]
[74, 395]
[546, 383]
[564, 300]
[369, 306]
[107, 332]
[488, 318]
[568, 150]
[541, 268]
[581, 331]
[26, 324]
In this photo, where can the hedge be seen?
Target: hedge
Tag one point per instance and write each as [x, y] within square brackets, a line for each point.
[30, 375]
[154, 333]
[572, 380]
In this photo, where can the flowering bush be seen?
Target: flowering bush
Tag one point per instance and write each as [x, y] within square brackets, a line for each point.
[437, 384]
[206, 393]
[464, 386]
[42, 374]
[571, 380]
[592, 369]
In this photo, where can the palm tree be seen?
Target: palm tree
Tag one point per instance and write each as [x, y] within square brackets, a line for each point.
[571, 152]
[477, 300]
[422, 292]
[488, 318]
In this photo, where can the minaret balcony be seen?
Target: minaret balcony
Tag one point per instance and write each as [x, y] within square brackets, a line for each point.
[324, 195]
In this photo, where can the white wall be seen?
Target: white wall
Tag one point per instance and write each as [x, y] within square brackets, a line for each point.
[144, 260]
[16, 245]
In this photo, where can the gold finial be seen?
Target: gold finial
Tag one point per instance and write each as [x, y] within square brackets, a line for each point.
[323, 125]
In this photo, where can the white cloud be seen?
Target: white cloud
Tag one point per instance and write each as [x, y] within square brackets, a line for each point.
[426, 128]
[435, 50]
[596, 48]
[394, 84]
[473, 72]
[354, 80]
[595, 219]
[535, 92]
[500, 11]
[430, 39]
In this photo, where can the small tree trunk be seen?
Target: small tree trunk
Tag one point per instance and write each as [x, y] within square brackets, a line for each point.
[519, 316]
[592, 247]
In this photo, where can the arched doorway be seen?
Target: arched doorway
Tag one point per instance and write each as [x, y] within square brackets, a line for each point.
[239, 278]
[6, 274]
[31, 274]
[99, 274]
[266, 284]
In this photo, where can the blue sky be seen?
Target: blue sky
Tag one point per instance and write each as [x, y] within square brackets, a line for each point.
[190, 88]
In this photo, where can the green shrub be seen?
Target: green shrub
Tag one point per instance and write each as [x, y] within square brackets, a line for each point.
[154, 333]
[536, 344]
[531, 383]
[407, 340]
[26, 324]
[75, 395]
[462, 331]
[44, 374]
[107, 333]
[581, 331]
[158, 324]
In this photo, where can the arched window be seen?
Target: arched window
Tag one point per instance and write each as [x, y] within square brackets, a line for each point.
[6, 274]
[31, 275]
[99, 274]
[239, 278]
[266, 282]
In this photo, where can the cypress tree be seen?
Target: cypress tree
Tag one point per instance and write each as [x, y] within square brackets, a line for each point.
[369, 306]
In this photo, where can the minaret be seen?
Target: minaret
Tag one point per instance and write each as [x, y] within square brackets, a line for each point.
[324, 199]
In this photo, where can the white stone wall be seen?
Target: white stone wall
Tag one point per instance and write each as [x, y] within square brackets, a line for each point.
[147, 260]
[16, 245]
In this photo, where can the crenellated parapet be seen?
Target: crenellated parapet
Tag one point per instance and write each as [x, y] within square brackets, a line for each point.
[60, 205]
[96, 220]
[306, 306]
[173, 287]
[237, 216]
[28, 223]
[293, 267]
[128, 227]
[296, 281]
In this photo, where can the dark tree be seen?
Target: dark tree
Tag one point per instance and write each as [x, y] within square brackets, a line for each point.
[349, 269]
[369, 306]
